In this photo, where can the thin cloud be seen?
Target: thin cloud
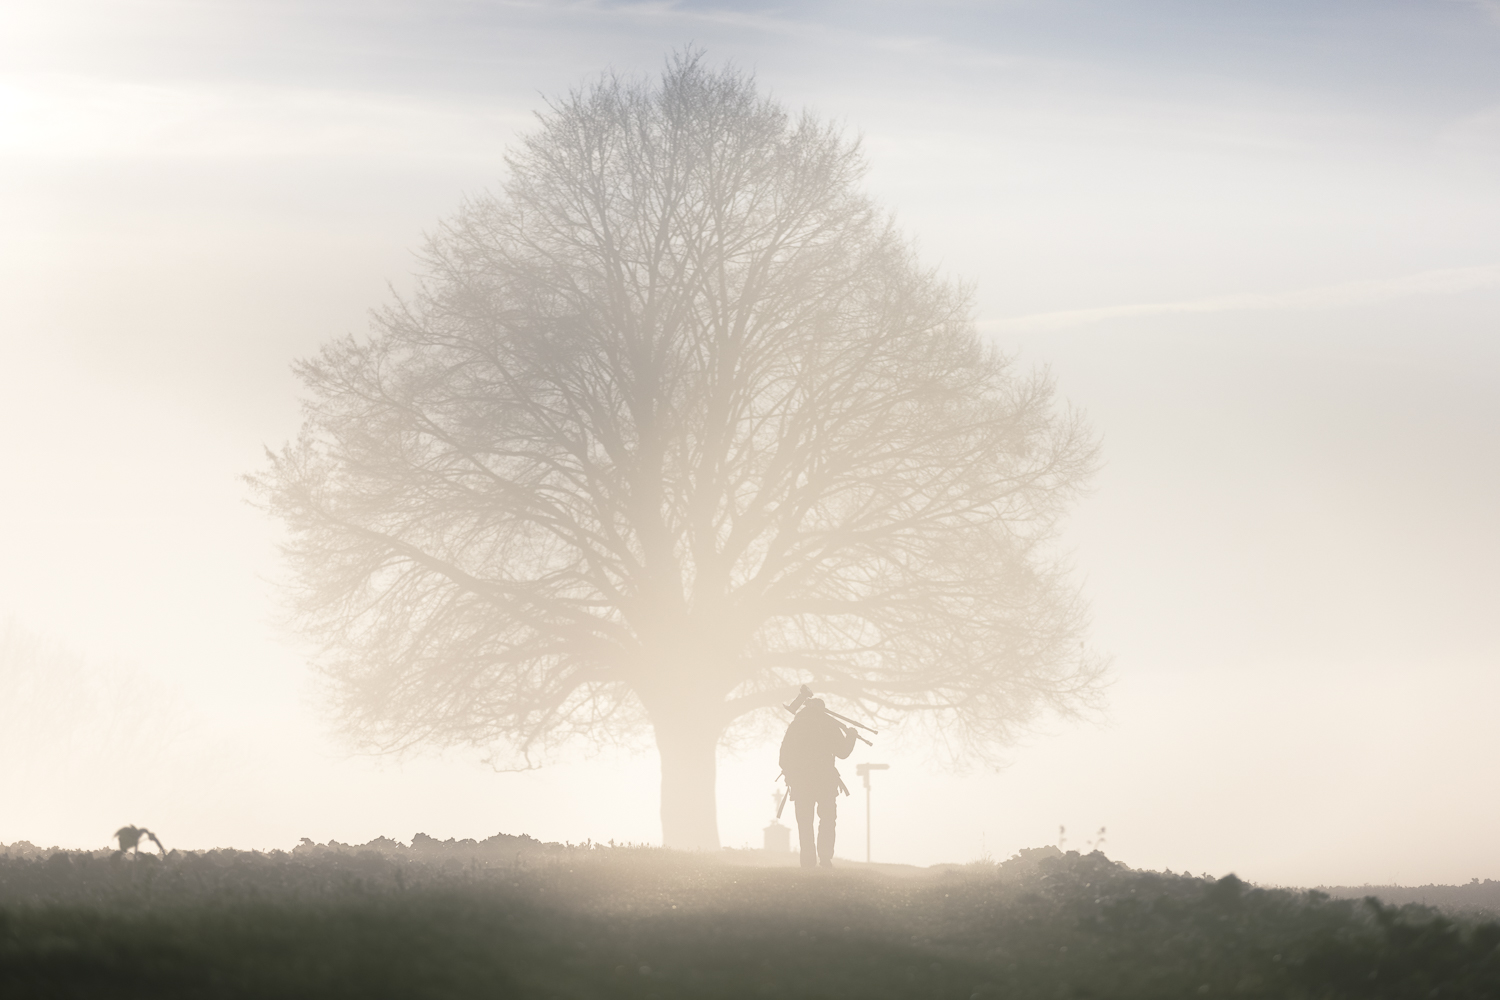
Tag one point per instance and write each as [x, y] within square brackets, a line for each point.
[1488, 7]
[1350, 293]
[82, 118]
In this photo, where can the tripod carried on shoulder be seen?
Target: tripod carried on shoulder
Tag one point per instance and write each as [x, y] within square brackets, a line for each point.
[806, 693]
[796, 705]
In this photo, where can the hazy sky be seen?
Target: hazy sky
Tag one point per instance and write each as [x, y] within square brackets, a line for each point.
[1258, 243]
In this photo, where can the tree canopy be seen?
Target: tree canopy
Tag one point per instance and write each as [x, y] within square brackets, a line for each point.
[676, 422]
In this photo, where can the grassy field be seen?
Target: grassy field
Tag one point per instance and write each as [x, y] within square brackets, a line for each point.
[514, 918]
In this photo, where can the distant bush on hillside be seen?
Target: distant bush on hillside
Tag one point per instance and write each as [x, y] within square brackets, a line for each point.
[501, 848]
[1476, 898]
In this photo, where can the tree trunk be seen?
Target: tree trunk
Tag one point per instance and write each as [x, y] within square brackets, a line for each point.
[689, 804]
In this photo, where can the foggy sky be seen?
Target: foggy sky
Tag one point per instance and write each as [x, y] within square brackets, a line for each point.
[1256, 243]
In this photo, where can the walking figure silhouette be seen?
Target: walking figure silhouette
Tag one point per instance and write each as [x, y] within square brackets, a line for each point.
[812, 741]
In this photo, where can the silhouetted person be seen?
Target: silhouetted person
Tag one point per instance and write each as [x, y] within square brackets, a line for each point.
[812, 741]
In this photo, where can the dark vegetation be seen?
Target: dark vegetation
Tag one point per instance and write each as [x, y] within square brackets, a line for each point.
[514, 917]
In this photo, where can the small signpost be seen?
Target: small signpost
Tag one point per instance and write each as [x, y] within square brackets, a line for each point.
[863, 770]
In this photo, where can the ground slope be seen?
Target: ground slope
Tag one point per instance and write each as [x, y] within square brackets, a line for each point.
[511, 917]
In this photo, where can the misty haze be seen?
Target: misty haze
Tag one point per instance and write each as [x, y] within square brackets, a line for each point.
[727, 500]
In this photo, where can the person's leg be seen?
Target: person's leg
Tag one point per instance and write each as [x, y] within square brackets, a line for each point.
[804, 807]
[828, 812]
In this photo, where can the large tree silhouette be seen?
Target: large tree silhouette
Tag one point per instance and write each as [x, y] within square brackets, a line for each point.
[675, 423]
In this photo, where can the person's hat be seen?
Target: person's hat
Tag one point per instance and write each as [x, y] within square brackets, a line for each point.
[817, 703]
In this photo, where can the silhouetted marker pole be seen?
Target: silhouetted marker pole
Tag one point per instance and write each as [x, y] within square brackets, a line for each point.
[863, 770]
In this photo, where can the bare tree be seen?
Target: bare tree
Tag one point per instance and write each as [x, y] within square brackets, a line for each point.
[675, 423]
